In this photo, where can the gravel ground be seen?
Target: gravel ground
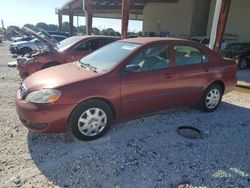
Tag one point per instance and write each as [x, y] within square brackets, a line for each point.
[144, 152]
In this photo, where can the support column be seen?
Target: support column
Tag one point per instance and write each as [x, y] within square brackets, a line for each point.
[88, 9]
[71, 21]
[219, 23]
[225, 6]
[125, 17]
[60, 22]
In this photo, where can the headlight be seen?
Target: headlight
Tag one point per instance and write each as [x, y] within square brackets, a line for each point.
[44, 96]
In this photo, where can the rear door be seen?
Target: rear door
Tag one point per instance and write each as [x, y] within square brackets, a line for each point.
[191, 73]
[151, 88]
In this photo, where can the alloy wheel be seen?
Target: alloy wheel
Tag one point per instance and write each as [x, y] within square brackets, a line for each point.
[213, 98]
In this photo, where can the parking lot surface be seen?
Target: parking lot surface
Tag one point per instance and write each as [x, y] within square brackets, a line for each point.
[143, 152]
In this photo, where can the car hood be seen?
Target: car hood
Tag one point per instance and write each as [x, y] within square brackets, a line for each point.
[58, 76]
[41, 38]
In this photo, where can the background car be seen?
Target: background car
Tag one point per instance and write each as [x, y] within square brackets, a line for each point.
[59, 38]
[206, 41]
[124, 79]
[35, 44]
[26, 47]
[69, 50]
[59, 33]
[240, 52]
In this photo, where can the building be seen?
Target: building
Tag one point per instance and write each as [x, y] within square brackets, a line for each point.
[183, 18]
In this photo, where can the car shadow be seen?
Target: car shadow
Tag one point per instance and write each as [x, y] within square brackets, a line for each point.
[148, 152]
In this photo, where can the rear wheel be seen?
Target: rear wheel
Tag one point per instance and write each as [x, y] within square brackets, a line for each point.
[211, 98]
[90, 120]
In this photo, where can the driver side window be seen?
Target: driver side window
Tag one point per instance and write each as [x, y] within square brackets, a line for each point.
[90, 45]
[153, 58]
[83, 47]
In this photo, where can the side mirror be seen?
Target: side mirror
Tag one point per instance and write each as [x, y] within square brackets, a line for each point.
[132, 68]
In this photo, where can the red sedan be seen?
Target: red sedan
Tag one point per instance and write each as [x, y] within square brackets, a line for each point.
[123, 79]
[70, 49]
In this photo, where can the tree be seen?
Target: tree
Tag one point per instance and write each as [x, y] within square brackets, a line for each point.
[53, 27]
[117, 34]
[31, 26]
[81, 29]
[95, 31]
[139, 34]
[43, 26]
[109, 31]
[65, 27]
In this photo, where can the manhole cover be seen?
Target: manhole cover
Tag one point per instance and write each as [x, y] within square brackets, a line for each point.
[189, 132]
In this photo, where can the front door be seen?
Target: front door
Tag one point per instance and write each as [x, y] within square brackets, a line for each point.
[151, 87]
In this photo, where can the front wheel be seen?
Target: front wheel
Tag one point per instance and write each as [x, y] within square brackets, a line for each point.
[90, 120]
[25, 50]
[211, 98]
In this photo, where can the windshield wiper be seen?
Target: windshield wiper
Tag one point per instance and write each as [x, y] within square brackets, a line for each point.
[87, 65]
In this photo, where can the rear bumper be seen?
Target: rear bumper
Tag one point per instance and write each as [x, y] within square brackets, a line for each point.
[45, 118]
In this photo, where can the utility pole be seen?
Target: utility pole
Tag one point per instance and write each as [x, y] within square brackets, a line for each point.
[2, 24]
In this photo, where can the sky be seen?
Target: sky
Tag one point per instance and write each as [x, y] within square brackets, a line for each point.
[20, 12]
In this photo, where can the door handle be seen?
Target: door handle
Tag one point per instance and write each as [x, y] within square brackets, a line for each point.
[168, 75]
[206, 68]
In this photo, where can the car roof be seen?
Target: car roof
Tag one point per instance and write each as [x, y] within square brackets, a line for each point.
[144, 40]
[94, 36]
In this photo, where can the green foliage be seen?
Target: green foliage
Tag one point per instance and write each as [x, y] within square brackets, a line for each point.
[96, 31]
[53, 27]
[65, 27]
[81, 29]
[31, 26]
[43, 26]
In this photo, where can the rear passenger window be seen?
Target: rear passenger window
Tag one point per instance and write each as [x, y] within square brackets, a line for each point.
[188, 55]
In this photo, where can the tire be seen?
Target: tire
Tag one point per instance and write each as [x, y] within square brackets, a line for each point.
[48, 65]
[90, 120]
[25, 50]
[242, 63]
[211, 98]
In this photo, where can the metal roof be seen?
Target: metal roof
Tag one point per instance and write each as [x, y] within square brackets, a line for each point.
[108, 8]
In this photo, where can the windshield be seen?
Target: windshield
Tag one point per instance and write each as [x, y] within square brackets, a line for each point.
[64, 44]
[104, 59]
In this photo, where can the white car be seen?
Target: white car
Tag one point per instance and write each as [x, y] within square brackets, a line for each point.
[34, 45]
[26, 47]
